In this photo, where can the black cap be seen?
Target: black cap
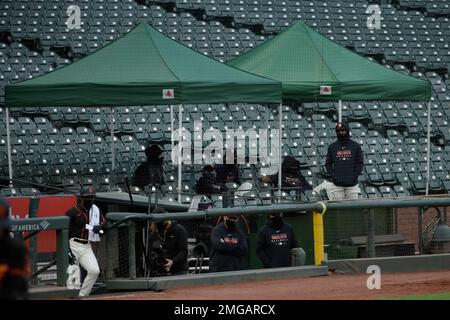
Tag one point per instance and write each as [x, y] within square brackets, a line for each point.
[88, 192]
[208, 168]
[153, 150]
[342, 125]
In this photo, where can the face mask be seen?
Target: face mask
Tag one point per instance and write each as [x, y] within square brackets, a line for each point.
[161, 227]
[293, 170]
[342, 136]
[210, 174]
[154, 156]
[231, 224]
[277, 221]
[87, 203]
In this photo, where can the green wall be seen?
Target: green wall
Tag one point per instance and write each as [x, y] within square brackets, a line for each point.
[341, 225]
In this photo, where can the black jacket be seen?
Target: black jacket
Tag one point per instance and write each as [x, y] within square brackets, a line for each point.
[208, 186]
[174, 241]
[274, 246]
[149, 172]
[228, 249]
[79, 217]
[344, 162]
[227, 170]
[290, 179]
[13, 270]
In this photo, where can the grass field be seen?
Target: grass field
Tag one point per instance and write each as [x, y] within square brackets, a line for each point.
[429, 296]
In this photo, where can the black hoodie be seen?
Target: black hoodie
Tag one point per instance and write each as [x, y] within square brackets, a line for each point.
[289, 178]
[228, 249]
[226, 171]
[344, 162]
[176, 245]
[208, 185]
[149, 172]
[274, 245]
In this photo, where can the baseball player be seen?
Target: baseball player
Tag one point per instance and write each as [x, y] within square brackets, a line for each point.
[79, 243]
[14, 270]
[275, 241]
[228, 246]
[95, 218]
[344, 164]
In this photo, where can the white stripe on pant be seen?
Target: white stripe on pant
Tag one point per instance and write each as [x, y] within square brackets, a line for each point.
[85, 256]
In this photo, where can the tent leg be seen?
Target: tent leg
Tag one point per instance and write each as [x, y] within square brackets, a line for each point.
[171, 123]
[340, 111]
[113, 153]
[427, 186]
[180, 137]
[8, 147]
[280, 141]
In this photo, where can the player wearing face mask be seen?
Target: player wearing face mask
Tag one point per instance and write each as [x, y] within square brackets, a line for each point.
[171, 237]
[275, 241]
[344, 163]
[79, 243]
[228, 246]
[207, 184]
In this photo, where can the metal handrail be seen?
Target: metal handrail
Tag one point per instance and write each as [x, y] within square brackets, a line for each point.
[286, 208]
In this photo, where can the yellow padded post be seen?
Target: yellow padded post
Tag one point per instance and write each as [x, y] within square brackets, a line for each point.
[318, 235]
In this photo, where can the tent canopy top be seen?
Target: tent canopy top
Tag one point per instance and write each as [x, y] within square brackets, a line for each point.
[312, 67]
[143, 67]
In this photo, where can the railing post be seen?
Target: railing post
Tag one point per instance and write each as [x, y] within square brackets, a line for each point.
[32, 213]
[370, 233]
[318, 238]
[109, 272]
[420, 228]
[319, 242]
[227, 198]
[131, 250]
[62, 258]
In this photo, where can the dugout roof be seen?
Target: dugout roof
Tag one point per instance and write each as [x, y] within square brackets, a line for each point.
[312, 67]
[143, 67]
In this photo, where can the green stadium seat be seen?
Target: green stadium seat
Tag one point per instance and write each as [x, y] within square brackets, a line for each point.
[372, 192]
[10, 192]
[408, 119]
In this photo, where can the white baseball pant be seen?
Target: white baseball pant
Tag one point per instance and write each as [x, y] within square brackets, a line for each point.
[344, 193]
[85, 256]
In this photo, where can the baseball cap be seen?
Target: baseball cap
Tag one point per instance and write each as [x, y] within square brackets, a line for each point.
[232, 216]
[341, 126]
[87, 192]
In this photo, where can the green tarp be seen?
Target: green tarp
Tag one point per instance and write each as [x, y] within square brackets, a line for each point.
[313, 68]
[143, 67]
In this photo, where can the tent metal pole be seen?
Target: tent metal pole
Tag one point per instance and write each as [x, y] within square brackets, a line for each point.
[113, 153]
[427, 186]
[340, 111]
[280, 141]
[180, 137]
[171, 124]
[8, 147]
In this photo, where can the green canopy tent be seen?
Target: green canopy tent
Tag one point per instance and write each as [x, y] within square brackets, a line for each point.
[313, 68]
[143, 67]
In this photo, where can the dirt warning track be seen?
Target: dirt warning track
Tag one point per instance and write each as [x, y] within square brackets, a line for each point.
[334, 286]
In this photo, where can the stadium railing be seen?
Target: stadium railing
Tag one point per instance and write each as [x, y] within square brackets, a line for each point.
[327, 230]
